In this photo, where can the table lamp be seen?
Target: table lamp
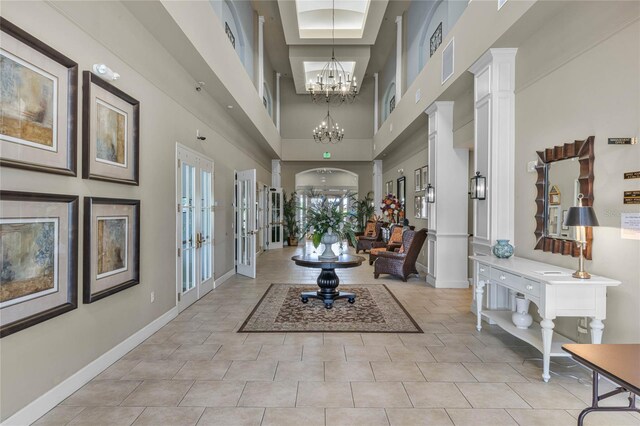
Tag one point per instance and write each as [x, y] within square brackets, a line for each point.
[580, 217]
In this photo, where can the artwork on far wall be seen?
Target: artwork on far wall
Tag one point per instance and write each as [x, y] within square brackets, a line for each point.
[425, 176]
[111, 246]
[417, 177]
[389, 187]
[436, 40]
[110, 132]
[417, 206]
[38, 105]
[39, 243]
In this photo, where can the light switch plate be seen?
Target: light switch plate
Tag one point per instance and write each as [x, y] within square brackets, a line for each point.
[531, 167]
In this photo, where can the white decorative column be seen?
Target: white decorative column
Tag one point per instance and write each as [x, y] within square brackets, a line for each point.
[375, 103]
[494, 157]
[261, 57]
[377, 185]
[276, 169]
[278, 101]
[447, 239]
[398, 58]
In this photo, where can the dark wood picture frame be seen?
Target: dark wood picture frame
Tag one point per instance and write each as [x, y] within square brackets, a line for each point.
[72, 261]
[89, 78]
[72, 102]
[583, 150]
[402, 196]
[87, 296]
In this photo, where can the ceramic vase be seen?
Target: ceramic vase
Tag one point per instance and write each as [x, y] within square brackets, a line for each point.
[328, 239]
[521, 317]
[503, 249]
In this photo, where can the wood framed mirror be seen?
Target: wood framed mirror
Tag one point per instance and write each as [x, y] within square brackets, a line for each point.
[564, 172]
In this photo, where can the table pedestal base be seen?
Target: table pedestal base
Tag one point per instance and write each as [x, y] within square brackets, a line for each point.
[328, 282]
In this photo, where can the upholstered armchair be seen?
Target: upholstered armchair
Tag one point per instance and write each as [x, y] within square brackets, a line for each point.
[394, 243]
[372, 234]
[401, 263]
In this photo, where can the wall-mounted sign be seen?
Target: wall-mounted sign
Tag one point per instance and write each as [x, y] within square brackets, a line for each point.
[326, 155]
[623, 141]
[632, 197]
[632, 175]
[630, 226]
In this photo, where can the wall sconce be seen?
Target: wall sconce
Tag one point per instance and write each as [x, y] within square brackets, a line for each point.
[478, 187]
[105, 72]
[401, 172]
[430, 193]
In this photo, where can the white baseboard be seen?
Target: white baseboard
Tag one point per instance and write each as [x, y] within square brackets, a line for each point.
[421, 268]
[219, 281]
[59, 393]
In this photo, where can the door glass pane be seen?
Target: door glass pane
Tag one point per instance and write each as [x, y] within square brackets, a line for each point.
[275, 217]
[188, 228]
[244, 222]
[206, 260]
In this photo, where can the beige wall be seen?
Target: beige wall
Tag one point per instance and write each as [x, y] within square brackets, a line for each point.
[364, 170]
[577, 77]
[38, 358]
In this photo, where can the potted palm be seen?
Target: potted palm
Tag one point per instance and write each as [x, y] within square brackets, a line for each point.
[289, 209]
[364, 210]
[328, 223]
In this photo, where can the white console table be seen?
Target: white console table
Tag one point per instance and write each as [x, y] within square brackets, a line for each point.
[553, 290]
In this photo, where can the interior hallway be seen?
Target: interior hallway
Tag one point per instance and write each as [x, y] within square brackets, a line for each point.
[198, 370]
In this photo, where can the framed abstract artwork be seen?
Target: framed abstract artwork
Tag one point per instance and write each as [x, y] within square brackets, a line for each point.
[417, 178]
[38, 104]
[39, 267]
[111, 246]
[425, 176]
[110, 132]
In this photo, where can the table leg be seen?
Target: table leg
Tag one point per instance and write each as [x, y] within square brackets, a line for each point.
[479, 292]
[547, 337]
[597, 328]
[328, 282]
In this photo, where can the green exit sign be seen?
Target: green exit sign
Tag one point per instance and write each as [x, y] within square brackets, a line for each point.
[326, 155]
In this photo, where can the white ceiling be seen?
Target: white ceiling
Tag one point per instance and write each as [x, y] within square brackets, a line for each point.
[316, 17]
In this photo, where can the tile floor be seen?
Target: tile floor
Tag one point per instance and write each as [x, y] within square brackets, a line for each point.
[198, 370]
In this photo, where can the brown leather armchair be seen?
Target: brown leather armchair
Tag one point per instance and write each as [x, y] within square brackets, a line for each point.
[401, 263]
[372, 234]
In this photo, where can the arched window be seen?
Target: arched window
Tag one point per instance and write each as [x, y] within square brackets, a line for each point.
[435, 28]
[266, 100]
[233, 28]
[389, 101]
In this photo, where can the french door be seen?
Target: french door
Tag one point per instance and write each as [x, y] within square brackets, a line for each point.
[246, 223]
[194, 228]
[275, 218]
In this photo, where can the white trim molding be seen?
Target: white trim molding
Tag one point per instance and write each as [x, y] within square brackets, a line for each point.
[223, 278]
[59, 393]
[260, 57]
[398, 58]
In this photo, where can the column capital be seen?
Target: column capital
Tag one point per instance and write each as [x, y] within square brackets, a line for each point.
[438, 105]
[278, 75]
[491, 55]
[399, 19]
[261, 19]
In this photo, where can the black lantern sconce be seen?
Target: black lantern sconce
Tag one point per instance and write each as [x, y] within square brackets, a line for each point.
[430, 194]
[478, 187]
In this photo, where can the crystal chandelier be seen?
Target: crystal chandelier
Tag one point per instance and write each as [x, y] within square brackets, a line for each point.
[328, 131]
[333, 83]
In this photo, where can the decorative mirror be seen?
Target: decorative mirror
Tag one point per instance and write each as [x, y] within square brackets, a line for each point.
[564, 172]
[402, 194]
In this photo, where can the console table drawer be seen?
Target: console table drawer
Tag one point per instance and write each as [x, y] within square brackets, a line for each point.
[483, 271]
[506, 278]
[531, 287]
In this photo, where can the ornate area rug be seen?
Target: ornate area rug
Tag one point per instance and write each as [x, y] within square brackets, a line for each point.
[376, 310]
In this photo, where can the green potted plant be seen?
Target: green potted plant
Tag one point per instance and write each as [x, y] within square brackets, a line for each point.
[289, 209]
[364, 209]
[328, 223]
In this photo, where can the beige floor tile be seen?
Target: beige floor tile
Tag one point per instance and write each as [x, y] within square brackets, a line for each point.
[231, 416]
[281, 352]
[468, 340]
[480, 416]
[445, 372]
[607, 419]
[226, 338]
[356, 417]
[351, 339]
[189, 352]
[102, 393]
[304, 339]
[494, 372]
[235, 352]
[189, 337]
[174, 416]
[354, 371]
[117, 370]
[491, 395]
[323, 353]
[251, 370]
[382, 394]
[435, 395]
[150, 352]
[213, 394]
[269, 394]
[418, 339]
[203, 370]
[453, 354]
[159, 337]
[146, 370]
[497, 354]
[529, 417]
[309, 416]
[112, 416]
[384, 371]
[324, 394]
[265, 338]
[583, 392]
[296, 371]
[59, 416]
[547, 395]
[158, 393]
[367, 353]
[409, 353]
[381, 339]
[418, 416]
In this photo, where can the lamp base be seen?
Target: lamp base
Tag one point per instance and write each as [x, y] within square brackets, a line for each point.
[583, 275]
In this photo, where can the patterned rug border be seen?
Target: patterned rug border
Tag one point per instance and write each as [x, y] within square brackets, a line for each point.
[255, 308]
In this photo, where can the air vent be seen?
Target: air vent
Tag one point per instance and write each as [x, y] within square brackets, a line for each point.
[447, 61]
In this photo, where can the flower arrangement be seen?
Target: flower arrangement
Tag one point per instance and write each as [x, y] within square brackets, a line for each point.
[390, 206]
[327, 217]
